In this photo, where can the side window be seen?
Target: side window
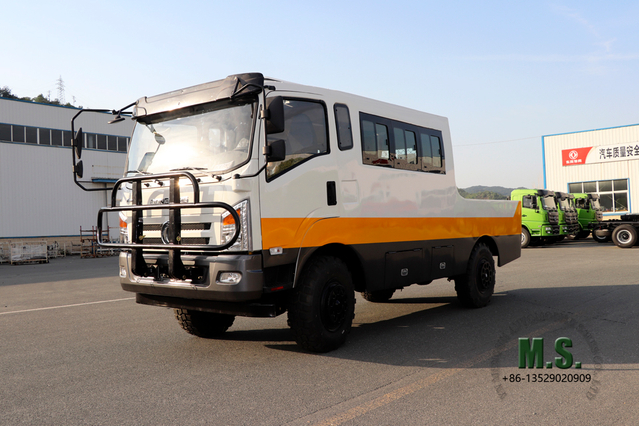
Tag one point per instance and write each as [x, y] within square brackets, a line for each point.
[405, 149]
[344, 132]
[432, 155]
[383, 148]
[304, 134]
[375, 142]
[526, 202]
[369, 142]
[436, 149]
[411, 149]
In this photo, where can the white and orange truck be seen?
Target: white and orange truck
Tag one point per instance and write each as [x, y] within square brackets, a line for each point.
[252, 196]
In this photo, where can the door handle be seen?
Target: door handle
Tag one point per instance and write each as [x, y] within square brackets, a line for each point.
[331, 193]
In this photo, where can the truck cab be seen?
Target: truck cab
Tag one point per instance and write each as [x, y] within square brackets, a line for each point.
[589, 213]
[568, 223]
[539, 215]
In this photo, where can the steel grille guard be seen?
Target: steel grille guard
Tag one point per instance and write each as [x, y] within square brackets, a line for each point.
[174, 248]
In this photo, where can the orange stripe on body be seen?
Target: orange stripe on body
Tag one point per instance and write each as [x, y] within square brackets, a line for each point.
[293, 232]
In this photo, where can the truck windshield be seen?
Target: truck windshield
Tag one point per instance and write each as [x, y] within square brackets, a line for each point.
[216, 140]
[564, 205]
[595, 204]
[548, 203]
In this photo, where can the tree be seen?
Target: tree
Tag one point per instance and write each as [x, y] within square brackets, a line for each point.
[5, 92]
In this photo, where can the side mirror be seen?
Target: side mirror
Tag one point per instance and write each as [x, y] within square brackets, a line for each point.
[274, 115]
[78, 169]
[275, 151]
[78, 141]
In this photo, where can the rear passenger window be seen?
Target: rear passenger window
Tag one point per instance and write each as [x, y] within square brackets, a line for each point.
[406, 147]
[344, 132]
[432, 159]
[375, 143]
[305, 135]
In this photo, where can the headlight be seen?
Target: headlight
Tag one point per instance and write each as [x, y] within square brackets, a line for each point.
[228, 227]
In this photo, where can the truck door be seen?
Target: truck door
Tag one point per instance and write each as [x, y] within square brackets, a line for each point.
[302, 189]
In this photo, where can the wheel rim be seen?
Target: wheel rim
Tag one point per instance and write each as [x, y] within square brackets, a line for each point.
[486, 276]
[334, 306]
[523, 238]
[624, 236]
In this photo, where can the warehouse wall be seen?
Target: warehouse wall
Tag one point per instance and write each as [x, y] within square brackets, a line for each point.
[38, 197]
[558, 176]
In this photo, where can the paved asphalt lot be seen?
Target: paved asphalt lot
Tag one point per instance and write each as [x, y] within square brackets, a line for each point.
[75, 349]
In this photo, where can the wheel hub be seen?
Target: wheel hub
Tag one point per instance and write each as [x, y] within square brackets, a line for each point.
[623, 236]
[486, 276]
[334, 306]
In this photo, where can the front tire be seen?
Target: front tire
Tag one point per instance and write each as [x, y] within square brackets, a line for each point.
[322, 305]
[600, 239]
[624, 236]
[475, 288]
[203, 324]
[525, 237]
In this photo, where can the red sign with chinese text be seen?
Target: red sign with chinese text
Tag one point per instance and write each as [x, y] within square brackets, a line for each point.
[574, 156]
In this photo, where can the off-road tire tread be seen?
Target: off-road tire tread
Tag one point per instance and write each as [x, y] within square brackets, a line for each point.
[303, 317]
[203, 324]
[466, 285]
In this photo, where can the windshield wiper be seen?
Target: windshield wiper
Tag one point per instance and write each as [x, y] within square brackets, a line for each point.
[137, 171]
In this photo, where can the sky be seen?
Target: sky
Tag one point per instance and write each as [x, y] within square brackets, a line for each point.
[504, 73]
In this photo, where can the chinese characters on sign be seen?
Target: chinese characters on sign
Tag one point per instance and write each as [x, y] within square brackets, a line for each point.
[599, 154]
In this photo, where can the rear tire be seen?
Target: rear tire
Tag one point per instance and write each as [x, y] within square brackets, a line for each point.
[322, 305]
[379, 296]
[475, 288]
[203, 324]
[624, 236]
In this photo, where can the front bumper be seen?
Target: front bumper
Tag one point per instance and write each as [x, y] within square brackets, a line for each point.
[547, 231]
[208, 287]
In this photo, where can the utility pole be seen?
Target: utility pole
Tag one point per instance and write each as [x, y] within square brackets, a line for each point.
[61, 91]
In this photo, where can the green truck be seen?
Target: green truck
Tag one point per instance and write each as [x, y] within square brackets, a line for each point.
[589, 213]
[568, 223]
[539, 216]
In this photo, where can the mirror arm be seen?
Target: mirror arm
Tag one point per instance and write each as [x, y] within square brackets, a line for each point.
[77, 166]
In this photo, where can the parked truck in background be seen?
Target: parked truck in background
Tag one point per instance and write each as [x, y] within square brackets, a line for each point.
[539, 215]
[589, 213]
[252, 196]
[568, 223]
[623, 231]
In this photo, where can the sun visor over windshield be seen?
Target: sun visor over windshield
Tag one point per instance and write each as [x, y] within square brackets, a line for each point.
[229, 88]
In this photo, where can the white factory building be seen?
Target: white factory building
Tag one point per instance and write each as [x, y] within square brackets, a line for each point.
[38, 197]
[602, 161]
